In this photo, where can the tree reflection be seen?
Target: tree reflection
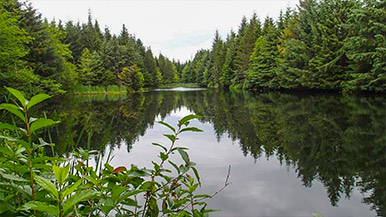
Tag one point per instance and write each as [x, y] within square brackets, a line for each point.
[337, 140]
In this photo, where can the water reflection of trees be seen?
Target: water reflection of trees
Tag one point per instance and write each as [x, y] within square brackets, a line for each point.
[339, 141]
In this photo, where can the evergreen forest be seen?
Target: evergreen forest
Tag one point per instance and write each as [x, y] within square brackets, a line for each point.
[337, 45]
[329, 45]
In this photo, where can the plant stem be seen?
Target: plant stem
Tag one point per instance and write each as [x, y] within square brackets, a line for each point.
[30, 152]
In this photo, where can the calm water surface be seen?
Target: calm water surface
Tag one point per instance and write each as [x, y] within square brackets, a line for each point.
[290, 154]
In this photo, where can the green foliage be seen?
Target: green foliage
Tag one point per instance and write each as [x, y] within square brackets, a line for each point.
[326, 45]
[154, 77]
[263, 59]
[344, 150]
[111, 89]
[12, 40]
[132, 77]
[38, 56]
[35, 184]
[247, 43]
[365, 47]
[168, 70]
[12, 49]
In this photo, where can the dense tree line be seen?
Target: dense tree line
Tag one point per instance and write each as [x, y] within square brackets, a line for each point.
[323, 44]
[41, 56]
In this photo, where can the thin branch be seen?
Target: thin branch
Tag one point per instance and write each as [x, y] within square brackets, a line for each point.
[214, 194]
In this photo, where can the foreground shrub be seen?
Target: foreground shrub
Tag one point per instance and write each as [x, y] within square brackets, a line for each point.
[35, 183]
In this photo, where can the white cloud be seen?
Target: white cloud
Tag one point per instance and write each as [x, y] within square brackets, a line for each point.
[175, 28]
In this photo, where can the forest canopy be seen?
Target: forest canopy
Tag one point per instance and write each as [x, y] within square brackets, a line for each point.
[336, 45]
[37, 55]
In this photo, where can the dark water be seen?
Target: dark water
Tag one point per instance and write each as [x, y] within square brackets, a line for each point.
[291, 155]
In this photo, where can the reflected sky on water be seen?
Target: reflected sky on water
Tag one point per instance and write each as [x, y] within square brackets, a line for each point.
[290, 154]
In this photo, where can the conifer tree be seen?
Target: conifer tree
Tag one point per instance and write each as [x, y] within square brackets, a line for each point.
[168, 70]
[12, 50]
[229, 67]
[245, 49]
[152, 69]
[329, 62]
[91, 35]
[217, 61]
[132, 77]
[366, 47]
[73, 37]
[290, 61]
[85, 68]
[262, 69]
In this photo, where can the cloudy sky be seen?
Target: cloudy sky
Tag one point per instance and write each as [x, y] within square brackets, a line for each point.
[176, 28]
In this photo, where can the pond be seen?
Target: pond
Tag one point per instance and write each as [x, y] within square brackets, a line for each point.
[290, 154]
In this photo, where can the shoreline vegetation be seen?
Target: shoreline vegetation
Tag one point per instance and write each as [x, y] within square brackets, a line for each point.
[320, 45]
[187, 85]
[90, 90]
[116, 90]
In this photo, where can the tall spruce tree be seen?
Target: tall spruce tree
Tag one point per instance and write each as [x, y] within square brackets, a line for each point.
[91, 35]
[290, 61]
[329, 62]
[366, 47]
[12, 49]
[73, 37]
[229, 67]
[247, 43]
[217, 61]
[152, 69]
[262, 63]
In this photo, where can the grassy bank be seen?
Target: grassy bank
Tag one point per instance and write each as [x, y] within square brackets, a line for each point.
[188, 85]
[88, 90]
[113, 89]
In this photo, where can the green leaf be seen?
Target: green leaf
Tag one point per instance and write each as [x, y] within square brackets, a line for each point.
[315, 214]
[61, 173]
[171, 137]
[4, 206]
[130, 193]
[40, 123]
[130, 202]
[167, 125]
[192, 129]
[8, 126]
[202, 196]
[175, 166]
[184, 155]
[187, 118]
[18, 95]
[117, 191]
[91, 179]
[196, 174]
[40, 206]
[32, 119]
[24, 190]
[13, 177]
[70, 190]
[153, 209]
[78, 197]
[47, 184]
[164, 156]
[13, 109]
[108, 205]
[37, 99]
[159, 145]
